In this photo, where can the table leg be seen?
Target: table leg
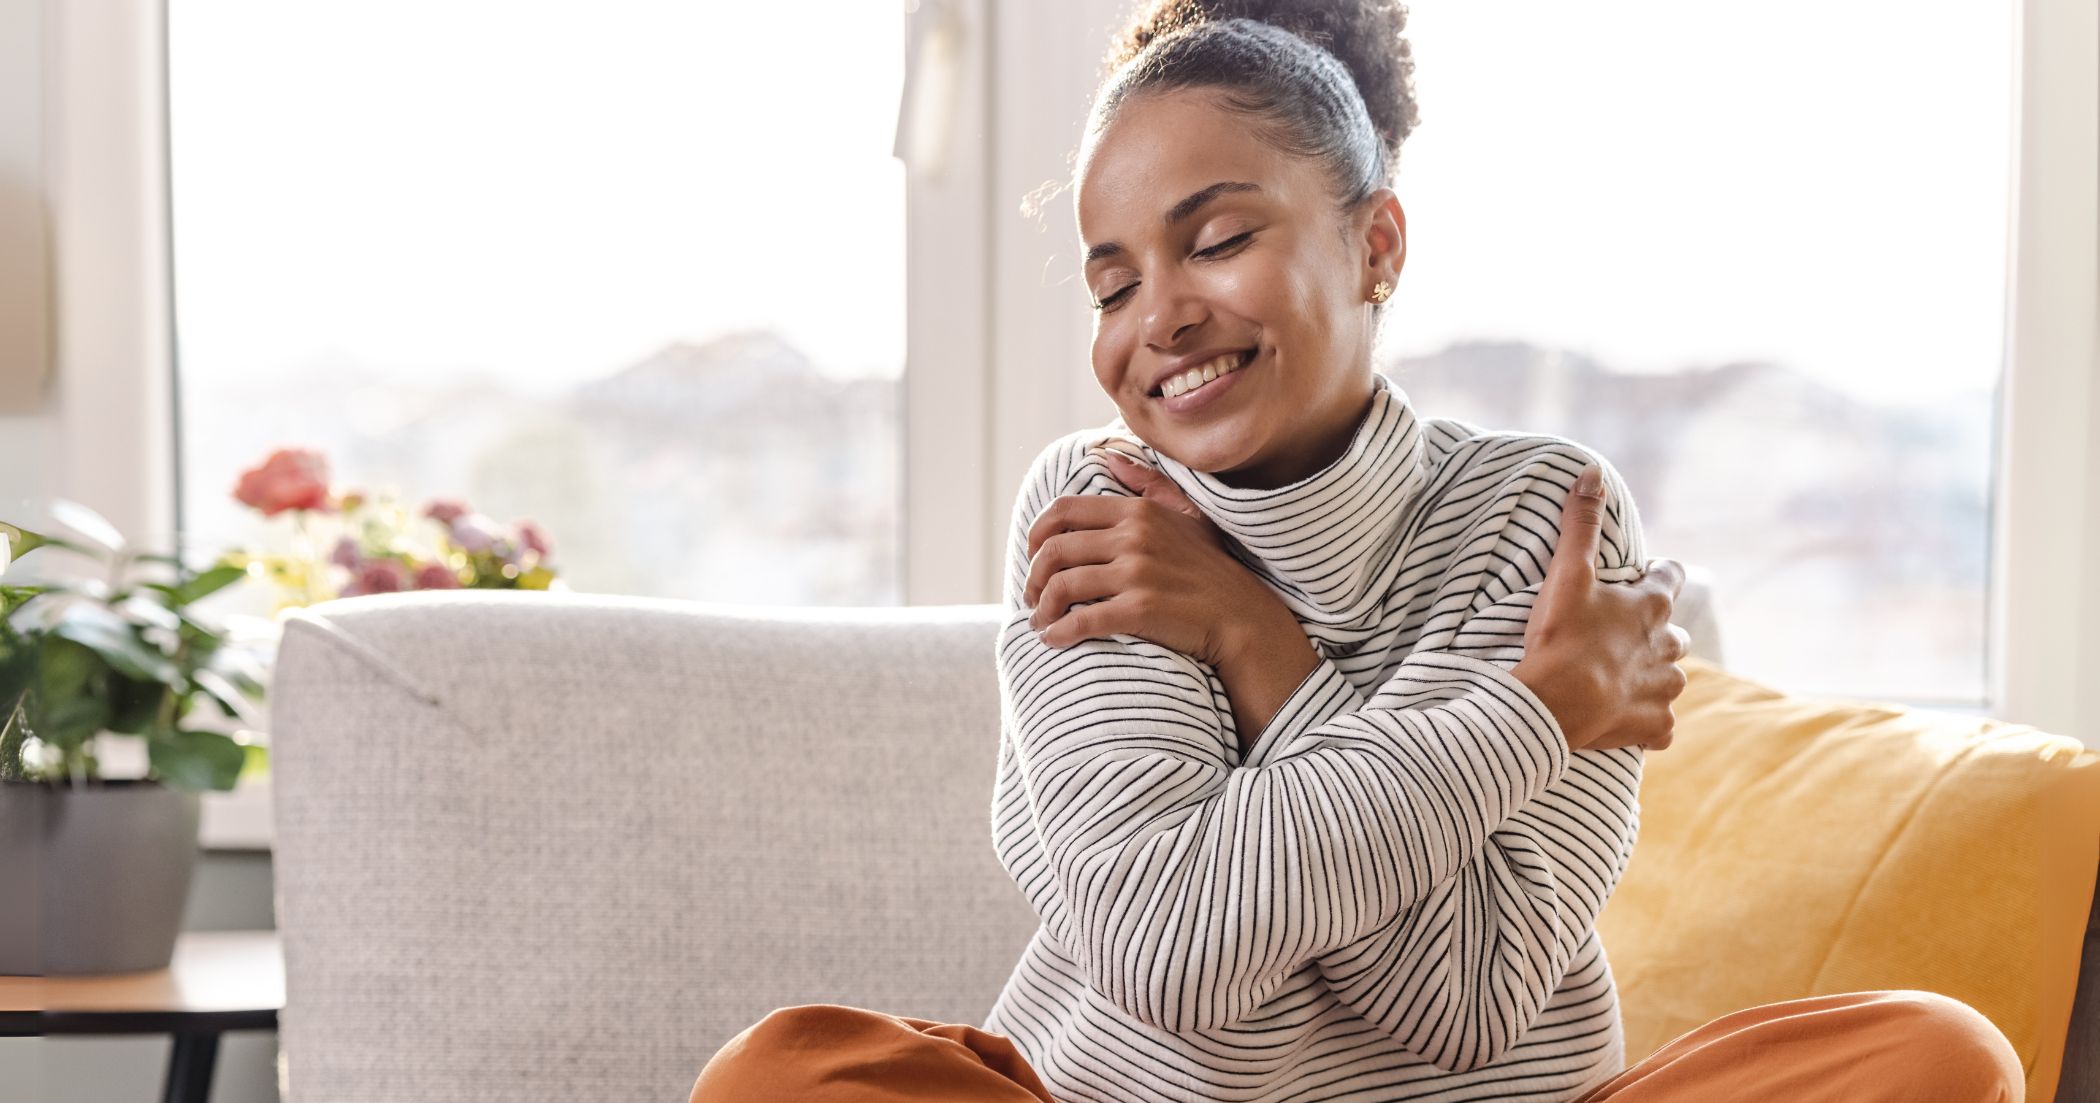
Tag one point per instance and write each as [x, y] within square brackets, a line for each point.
[189, 1067]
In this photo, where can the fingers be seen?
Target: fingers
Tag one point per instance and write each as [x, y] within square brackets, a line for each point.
[1581, 530]
[1668, 572]
[1075, 511]
[1062, 552]
[1680, 643]
[1069, 588]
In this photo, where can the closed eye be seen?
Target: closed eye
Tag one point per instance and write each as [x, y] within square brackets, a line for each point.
[1209, 253]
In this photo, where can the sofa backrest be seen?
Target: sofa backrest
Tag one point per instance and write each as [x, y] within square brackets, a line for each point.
[563, 846]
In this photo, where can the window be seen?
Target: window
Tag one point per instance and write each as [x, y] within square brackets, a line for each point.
[633, 271]
[1757, 258]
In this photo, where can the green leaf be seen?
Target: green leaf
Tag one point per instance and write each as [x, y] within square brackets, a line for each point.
[229, 696]
[14, 597]
[87, 523]
[208, 583]
[258, 763]
[71, 722]
[134, 704]
[67, 669]
[197, 760]
[21, 541]
[140, 610]
[111, 637]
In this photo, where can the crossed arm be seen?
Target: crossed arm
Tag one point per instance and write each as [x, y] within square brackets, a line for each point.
[1363, 838]
[1534, 891]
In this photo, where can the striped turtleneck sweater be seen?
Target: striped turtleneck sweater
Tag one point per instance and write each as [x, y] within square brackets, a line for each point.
[1392, 893]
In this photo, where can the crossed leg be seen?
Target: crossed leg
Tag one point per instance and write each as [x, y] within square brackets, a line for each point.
[1884, 1045]
[1857, 1047]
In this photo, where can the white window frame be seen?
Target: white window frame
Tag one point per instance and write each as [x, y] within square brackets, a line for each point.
[2043, 647]
[997, 357]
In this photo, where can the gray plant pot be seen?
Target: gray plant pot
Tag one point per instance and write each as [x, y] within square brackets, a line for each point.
[93, 880]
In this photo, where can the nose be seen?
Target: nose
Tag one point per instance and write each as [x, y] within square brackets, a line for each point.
[1171, 311]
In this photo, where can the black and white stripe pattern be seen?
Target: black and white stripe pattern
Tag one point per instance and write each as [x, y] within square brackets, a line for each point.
[1393, 894]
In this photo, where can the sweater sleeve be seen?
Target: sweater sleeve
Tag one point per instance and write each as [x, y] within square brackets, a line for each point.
[1462, 974]
[1187, 890]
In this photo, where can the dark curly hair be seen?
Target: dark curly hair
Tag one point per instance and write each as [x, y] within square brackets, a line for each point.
[1329, 80]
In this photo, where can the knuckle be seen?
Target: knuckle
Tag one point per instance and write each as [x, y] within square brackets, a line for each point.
[1682, 641]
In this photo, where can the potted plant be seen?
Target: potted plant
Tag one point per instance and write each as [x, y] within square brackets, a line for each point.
[107, 862]
[98, 869]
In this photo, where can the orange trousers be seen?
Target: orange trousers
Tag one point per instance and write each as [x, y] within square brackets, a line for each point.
[1859, 1047]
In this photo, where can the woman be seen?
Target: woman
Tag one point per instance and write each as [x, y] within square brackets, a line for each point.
[1323, 722]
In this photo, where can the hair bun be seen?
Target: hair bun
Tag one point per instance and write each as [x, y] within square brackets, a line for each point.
[1366, 36]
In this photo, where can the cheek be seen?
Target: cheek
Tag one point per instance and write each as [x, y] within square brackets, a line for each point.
[1275, 289]
[1112, 349]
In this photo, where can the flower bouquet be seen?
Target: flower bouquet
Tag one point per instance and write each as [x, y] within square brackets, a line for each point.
[376, 544]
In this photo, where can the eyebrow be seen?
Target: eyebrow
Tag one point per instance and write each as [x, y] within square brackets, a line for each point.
[1179, 211]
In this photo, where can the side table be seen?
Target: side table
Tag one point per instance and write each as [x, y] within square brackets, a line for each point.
[218, 981]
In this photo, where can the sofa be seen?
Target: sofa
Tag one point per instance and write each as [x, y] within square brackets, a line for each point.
[539, 847]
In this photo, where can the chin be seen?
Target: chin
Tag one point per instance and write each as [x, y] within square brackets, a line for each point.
[1212, 449]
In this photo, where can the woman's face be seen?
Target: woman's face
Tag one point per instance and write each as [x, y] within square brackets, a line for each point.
[1200, 242]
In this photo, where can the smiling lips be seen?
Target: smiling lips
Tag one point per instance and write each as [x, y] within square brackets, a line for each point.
[1194, 378]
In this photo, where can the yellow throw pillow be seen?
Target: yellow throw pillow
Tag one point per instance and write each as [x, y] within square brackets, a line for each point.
[1792, 847]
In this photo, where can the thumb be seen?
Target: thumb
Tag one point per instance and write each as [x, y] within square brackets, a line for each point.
[1573, 567]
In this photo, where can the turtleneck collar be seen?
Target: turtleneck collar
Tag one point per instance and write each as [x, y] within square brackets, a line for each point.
[1324, 541]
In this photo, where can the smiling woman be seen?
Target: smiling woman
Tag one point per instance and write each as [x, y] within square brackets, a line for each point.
[1323, 721]
[1257, 261]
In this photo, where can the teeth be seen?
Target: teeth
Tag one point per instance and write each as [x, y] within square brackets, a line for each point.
[1182, 384]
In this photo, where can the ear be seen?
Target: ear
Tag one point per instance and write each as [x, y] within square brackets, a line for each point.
[1384, 238]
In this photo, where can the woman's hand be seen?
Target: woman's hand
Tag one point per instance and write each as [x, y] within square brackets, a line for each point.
[1164, 568]
[1603, 655]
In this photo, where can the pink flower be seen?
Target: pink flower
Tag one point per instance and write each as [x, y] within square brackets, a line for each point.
[436, 576]
[475, 532]
[533, 537]
[446, 510]
[291, 478]
[345, 554]
[378, 576]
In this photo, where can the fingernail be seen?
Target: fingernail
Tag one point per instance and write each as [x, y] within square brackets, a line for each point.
[1591, 483]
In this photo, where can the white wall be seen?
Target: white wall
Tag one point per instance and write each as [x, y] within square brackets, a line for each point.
[81, 125]
[24, 303]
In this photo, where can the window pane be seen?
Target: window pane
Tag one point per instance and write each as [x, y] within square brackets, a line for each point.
[635, 271]
[1758, 260]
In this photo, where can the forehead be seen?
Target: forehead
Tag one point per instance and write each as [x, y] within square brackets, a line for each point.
[1163, 146]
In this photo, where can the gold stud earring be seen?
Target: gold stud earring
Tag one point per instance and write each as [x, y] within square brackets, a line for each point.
[1379, 293]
